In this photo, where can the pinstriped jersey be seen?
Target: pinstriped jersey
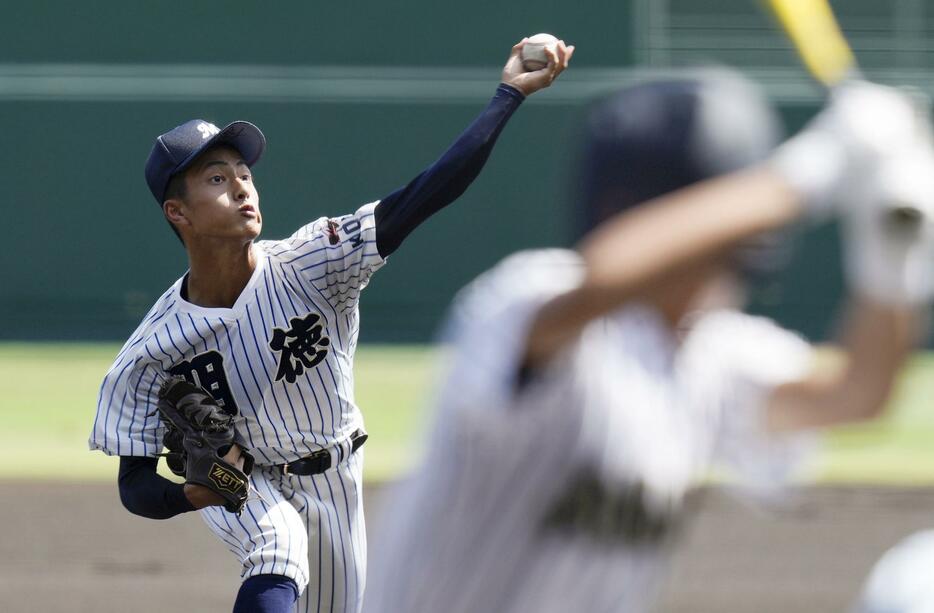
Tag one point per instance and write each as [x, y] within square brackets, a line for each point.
[281, 356]
[562, 493]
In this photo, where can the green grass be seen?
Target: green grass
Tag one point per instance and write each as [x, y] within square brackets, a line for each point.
[899, 448]
[50, 390]
[50, 393]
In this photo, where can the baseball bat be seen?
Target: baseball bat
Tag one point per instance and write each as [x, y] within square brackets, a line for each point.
[816, 35]
[818, 39]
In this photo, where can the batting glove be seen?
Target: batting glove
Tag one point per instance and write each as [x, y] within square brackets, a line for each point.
[830, 159]
[889, 230]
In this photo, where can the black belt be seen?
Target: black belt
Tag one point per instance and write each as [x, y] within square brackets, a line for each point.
[319, 461]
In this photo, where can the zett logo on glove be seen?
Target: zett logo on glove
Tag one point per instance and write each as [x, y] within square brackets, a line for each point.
[226, 480]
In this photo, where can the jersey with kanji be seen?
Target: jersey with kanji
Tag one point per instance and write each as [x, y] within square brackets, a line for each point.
[281, 356]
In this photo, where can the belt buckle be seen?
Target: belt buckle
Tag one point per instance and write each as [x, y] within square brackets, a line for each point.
[321, 454]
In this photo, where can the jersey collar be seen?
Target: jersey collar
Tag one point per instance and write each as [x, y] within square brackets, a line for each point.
[238, 307]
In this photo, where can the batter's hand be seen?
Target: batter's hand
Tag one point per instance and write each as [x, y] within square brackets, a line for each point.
[834, 157]
[200, 496]
[889, 230]
[530, 82]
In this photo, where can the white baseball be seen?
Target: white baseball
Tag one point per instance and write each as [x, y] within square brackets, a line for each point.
[533, 51]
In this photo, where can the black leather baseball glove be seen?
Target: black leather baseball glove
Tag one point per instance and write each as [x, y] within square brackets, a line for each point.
[198, 434]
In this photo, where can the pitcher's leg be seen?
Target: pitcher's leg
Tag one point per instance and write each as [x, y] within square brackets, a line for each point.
[333, 510]
[269, 537]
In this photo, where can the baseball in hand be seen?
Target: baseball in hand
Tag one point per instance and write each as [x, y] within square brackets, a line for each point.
[533, 52]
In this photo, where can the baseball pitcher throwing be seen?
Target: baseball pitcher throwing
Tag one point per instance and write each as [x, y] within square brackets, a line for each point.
[243, 368]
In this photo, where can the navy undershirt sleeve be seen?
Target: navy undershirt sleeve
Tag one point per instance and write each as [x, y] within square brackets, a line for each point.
[147, 493]
[440, 184]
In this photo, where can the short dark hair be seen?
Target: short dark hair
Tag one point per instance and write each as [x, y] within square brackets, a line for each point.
[177, 189]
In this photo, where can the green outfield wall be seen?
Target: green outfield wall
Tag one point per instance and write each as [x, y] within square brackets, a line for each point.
[355, 99]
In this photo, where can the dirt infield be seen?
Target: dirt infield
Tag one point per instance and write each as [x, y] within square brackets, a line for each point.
[73, 548]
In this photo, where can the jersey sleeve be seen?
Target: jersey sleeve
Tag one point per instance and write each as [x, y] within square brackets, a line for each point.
[487, 329]
[126, 422]
[754, 356]
[399, 213]
[335, 255]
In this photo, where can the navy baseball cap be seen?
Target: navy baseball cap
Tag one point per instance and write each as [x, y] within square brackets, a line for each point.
[175, 150]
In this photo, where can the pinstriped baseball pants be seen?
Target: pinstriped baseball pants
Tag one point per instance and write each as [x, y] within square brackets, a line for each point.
[310, 529]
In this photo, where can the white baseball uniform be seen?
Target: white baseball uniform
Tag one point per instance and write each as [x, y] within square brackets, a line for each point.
[558, 494]
[282, 357]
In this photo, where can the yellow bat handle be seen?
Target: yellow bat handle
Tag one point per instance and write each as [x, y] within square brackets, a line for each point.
[812, 27]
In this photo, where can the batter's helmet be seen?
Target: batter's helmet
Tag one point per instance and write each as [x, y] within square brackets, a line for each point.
[666, 133]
